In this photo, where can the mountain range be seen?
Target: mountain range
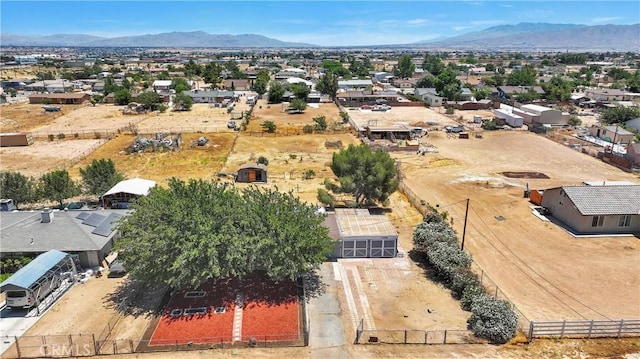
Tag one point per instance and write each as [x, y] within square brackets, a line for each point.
[519, 37]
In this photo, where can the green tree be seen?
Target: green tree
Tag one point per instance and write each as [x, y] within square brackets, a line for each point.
[301, 91]
[259, 86]
[149, 100]
[527, 97]
[481, 93]
[122, 97]
[490, 67]
[188, 233]
[620, 114]
[18, 187]
[95, 99]
[524, 77]
[182, 102]
[321, 123]
[433, 64]
[276, 92]
[179, 84]
[298, 105]
[369, 176]
[426, 81]
[405, 67]
[328, 85]
[58, 186]
[269, 126]
[99, 176]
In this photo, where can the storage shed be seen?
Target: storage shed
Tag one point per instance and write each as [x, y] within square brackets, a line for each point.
[252, 172]
[12, 139]
[359, 234]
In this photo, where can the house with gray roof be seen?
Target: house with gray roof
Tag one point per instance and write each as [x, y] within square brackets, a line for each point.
[89, 235]
[595, 209]
[215, 96]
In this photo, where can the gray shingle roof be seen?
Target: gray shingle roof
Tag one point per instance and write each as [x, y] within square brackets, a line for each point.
[605, 200]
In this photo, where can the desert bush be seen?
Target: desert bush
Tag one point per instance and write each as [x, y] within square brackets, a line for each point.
[493, 319]
[308, 129]
[470, 294]
[462, 279]
[263, 160]
[345, 116]
[446, 258]
[61, 136]
[308, 174]
[428, 233]
[269, 126]
[51, 137]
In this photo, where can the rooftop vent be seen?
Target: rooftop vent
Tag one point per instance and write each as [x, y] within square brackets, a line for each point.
[47, 215]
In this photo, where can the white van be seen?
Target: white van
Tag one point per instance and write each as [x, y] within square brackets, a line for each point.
[19, 299]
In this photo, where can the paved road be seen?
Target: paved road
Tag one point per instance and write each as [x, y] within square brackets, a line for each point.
[327, 337]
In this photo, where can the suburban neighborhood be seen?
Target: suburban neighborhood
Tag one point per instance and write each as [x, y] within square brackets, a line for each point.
[316, 202]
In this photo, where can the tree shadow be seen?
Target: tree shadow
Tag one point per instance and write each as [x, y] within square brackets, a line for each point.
[136, 299]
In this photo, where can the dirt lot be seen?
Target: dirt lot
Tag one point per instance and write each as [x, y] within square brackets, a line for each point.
[419, 116]
[545, 271]
[275, 112]
[191, 161]
[289, 157]
[201, 118]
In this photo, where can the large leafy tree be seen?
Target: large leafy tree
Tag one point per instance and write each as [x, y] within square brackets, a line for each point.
[16, 186]
[298, 105]
[150, 100]
[57, 186]
[369, 176]
[405, 67]
[190, 232]
[328, 85]
[301, 91]
[122, 96]
[524, 77]
[276, 92]
[99, 176]
[182, 102]
[619, 114]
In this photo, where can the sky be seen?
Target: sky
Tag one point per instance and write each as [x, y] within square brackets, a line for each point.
[325, 23]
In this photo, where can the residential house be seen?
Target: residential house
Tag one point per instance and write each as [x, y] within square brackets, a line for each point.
[236, 85]
[354, 84]
[161, 86]
[633, 125]
[595, 209]
[466, 94]
[298, 80]
[430, 96]
[359, 98]
[89, 235]
[214, 96]
[612, 133]
[510, 91]
[53, 86]
[290, 72]
[633, 154]
[77, 98]
[404, 83]
[606, 95]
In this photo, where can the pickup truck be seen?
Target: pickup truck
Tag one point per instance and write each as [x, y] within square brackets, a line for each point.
[454, 129]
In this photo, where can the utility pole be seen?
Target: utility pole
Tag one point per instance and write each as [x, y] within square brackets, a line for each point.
[464, 228]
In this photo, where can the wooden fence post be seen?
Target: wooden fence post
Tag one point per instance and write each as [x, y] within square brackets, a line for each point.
[531, 326]
[405, 336]
[445, 337]
[426, 335]
[17, 346]
[95, 344]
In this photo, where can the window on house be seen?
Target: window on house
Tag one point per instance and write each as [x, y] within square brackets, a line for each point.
[597, 221]
[624, 221]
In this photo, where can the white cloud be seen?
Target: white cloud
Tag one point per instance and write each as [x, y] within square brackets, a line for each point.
[459, 28]
[417, 21]
[606, 19]
[506, 5]
[474, 3]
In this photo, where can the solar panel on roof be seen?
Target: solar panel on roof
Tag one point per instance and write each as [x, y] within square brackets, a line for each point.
[94, 220]
[83, 215]
[106, 227]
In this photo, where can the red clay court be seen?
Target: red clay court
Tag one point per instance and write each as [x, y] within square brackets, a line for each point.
[270, 311]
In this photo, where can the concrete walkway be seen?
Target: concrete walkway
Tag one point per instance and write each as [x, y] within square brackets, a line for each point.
[327, 338]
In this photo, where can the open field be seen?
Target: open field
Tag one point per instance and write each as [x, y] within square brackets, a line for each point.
[191, 161]
[285, 171]
[275, 112]
[201, 118]
[432, 118]
[545, 271]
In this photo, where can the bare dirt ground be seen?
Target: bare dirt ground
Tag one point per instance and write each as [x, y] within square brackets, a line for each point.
[289, 157]
[547, 273]
[432, 117]
[275, 112]
[43, 156]
[191, 161]
[201, 118]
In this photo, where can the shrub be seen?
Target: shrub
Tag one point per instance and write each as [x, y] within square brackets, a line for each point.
[461, 280]
[433, 217]
[490, 125]
[292, 156]
[308, 174]
[446, 258]
[493, 319]
[345, 116]
[308, 129]
[61, 136]
[428, 233]
[325, 197]
[263, 160]
[51, 137]
[449, 111]
[470, 294]
[269, 126]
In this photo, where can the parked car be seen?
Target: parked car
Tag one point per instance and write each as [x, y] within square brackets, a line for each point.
[116, 270]
[120, 205]
[454, 129]
[231, 124]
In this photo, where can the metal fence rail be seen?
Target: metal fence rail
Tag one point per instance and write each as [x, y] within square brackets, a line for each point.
[584, 328]
[412, 336]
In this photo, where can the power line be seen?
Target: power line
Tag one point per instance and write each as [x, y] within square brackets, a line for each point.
[535, 272]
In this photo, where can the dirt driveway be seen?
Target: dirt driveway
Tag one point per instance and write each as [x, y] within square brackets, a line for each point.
[546, 272]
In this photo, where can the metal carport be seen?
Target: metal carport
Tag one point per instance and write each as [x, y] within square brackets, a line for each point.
[45, 271]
